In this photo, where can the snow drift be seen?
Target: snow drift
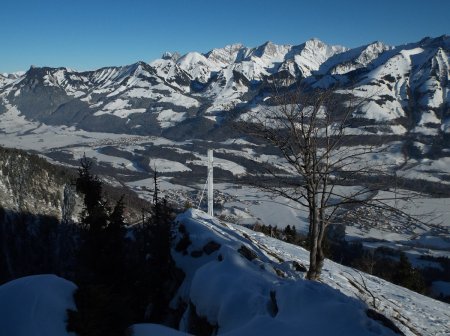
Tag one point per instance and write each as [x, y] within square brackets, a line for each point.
[35, 306]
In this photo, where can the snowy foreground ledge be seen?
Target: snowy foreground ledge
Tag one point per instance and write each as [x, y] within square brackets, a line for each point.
[248, 284]
[243, 283]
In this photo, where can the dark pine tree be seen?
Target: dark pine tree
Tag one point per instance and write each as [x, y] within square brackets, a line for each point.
[102, 299]
[407, 276]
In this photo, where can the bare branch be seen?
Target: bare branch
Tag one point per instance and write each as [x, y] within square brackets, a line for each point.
[309, 130]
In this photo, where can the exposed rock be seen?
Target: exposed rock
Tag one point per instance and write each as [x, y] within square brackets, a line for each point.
[211, 247]
[247, 253]
[384, 321]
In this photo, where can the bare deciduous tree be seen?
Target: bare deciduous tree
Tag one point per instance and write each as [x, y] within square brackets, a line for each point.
[309, 130]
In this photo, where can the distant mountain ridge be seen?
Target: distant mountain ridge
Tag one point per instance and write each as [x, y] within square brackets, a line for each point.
[408, 86]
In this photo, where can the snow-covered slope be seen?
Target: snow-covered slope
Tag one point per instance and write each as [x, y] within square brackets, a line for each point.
[408, 82]
[245, 283]
[36, 306]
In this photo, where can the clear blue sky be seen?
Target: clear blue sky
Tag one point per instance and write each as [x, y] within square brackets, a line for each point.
[87, 34]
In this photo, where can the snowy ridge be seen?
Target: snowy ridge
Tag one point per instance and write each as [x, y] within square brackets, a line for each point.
[228, 55]
[246, 283]
[353, 59]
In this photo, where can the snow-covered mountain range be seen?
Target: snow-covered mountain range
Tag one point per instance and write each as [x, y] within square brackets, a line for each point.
[407, 87]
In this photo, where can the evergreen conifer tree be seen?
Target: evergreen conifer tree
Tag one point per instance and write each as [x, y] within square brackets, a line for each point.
[101, 297]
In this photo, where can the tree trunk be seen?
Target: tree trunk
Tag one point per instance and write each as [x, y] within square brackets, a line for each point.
[315, 255]
[317, 228]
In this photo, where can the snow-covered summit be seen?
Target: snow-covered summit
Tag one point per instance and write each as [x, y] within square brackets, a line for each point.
[227, 55]
[352, 59]
[310, 55]
[198, 66]
[174, 56]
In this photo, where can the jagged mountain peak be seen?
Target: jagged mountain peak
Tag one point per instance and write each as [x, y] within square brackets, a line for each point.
[440, 41]
[33, 69]
[270, 52]
[174, 56]
[37, 70]
[227, 55]
[352, 59]
[197, 66]
[309, 56]
[377, 45]
[192, 58]
[315, 42]
[138, 68]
